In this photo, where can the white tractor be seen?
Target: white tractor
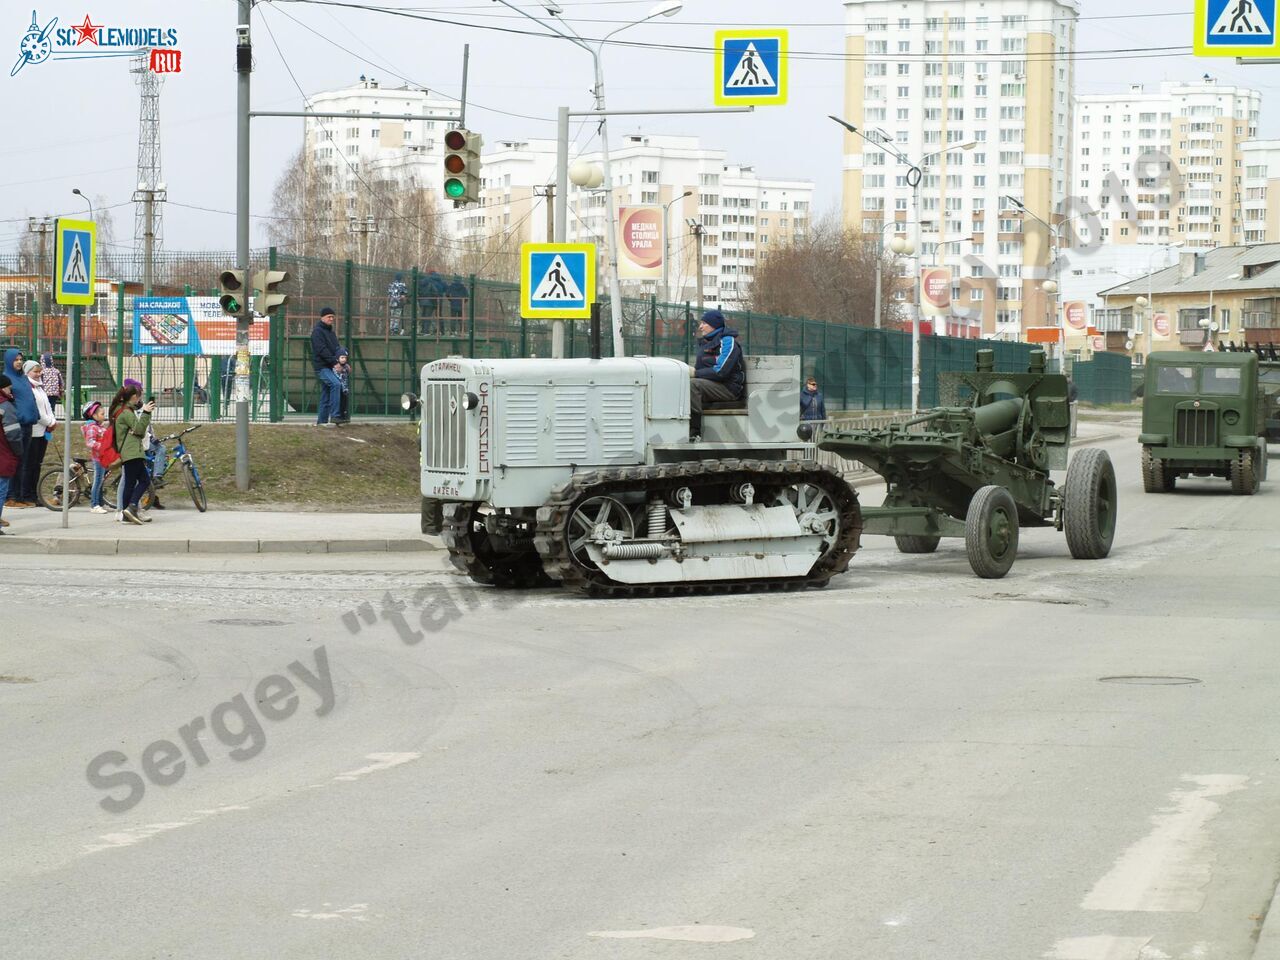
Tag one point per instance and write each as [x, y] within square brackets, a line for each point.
[581, 472]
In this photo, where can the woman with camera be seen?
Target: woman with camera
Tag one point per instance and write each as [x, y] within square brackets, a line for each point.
[130, 418]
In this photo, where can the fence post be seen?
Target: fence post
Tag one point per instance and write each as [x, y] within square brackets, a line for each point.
[348, 298]
[653, 324]
[688, 333]
[471, 316]
[119, 336]
[275, 354]
[188, 374]
[777, 332]
[33, 330]
[413, 323]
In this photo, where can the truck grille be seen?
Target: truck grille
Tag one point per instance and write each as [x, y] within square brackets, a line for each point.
[444, 424]
[1197, 428]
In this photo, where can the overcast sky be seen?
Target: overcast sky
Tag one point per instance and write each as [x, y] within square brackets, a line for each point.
[73, 123]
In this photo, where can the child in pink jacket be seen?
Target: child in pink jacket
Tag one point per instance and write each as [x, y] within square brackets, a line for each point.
[94, 426]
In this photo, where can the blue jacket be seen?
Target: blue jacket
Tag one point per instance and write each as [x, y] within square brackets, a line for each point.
[812, 406]
[24, 401]
[720, 359]
[324, 346]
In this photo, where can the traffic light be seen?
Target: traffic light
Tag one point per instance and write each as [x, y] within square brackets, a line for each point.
[462, 166]
[233, 292]
[267, 296]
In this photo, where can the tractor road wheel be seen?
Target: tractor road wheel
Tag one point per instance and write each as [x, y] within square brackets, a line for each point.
[991, 532]
[1244, 473]
[1089, 504]
[910, 543]
[1155, 478]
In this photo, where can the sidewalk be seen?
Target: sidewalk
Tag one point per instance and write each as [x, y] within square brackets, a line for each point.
[37, 530]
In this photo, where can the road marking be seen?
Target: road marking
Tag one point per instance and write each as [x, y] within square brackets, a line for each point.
[127, 838]
[1167, 870]
[1099, 948]
[355, 912]
[690, 933]
[384, 761]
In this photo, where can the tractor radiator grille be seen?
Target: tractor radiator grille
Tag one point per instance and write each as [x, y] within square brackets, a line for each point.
[444, 422]
[1197, 428]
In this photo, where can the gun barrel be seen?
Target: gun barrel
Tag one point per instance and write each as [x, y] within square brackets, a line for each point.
[992, 418]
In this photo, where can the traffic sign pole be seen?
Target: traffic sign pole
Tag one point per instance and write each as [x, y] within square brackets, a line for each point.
[70, 400]
[244, 66]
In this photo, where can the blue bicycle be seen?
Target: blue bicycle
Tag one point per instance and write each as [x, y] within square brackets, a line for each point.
[177, 456]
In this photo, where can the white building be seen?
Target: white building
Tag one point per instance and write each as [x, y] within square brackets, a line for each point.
[930, 75]
[1261, 190]
[404, 149]
[742, 214]
[1162, 166]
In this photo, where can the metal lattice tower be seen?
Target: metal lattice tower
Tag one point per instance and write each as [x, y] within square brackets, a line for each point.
[148, 162]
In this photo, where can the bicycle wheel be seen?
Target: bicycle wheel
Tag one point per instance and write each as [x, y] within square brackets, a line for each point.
[111, 486]
[49, 489]
[195, 487]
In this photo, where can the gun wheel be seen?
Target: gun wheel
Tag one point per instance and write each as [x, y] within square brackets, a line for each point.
[991, 532]
[1089, 503]
[909, 543]
[1244, 473]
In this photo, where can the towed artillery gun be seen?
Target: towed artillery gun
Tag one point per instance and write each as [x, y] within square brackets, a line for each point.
[582, 472]
[979, 468]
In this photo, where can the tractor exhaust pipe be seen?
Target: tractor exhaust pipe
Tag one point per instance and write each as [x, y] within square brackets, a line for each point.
[595, 331]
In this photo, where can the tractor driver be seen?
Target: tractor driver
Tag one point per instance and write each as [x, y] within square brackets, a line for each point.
[718, 375]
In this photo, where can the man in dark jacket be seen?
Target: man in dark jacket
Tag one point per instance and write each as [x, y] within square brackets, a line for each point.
[324, 357]
[812, 406]
[10, 442]
[719, 373]
[24, 403]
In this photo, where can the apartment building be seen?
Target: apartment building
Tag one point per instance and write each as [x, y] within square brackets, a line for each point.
[1164, 166]
[1261, 191]
[983, 90]
[742, 214]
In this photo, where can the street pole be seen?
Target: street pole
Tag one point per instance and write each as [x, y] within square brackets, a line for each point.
[666, 244]
[610, 217]
[697, 267]
[562, 212]
[244, 66]
[70, 400]
[148, 241]
[918, 175]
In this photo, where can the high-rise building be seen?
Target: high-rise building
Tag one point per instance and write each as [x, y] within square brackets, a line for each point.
[742, 214]
[1261, 190]
[983, 89]
[1163, 166]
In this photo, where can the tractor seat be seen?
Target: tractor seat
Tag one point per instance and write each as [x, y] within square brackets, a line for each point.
[725, 407]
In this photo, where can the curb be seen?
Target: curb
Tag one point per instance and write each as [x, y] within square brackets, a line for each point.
[1268, 947]
[85, 546]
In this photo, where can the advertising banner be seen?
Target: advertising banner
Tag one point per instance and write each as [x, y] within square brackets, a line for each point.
[1076, 314]
[640, 243]
[1161, 327]
[935, 291]
[194, 326]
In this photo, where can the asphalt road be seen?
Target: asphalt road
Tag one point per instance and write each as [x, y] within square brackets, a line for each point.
[913, 764]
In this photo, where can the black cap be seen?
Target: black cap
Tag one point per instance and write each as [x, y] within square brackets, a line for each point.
[5, 382]
[326, 312]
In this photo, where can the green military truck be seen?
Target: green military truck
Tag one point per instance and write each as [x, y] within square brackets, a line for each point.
[1269, 380]
[1203, 415]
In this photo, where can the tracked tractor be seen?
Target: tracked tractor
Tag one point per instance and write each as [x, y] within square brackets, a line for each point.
[581, 472]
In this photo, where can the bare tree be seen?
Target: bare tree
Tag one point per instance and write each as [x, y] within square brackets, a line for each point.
[827, 274]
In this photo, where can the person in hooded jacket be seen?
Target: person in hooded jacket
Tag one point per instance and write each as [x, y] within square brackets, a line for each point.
[24, 402]
[41, 432]
[719, 373]
[10, 442]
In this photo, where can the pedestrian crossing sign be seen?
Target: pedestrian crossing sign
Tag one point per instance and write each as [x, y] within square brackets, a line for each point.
[751, 68]
[1236, 28]
[557, 280]
[75, 262]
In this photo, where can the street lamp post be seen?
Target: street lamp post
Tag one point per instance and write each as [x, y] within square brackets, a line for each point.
[697, 228]
[666, 246]
[914, 175]
[666, 8]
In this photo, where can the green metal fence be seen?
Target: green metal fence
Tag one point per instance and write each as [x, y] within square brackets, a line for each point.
[858, 368]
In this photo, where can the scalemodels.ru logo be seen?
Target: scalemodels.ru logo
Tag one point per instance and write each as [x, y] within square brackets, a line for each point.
[89, 39]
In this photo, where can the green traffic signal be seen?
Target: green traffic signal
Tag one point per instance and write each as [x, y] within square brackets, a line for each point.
[230, 305]
[455, 189]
